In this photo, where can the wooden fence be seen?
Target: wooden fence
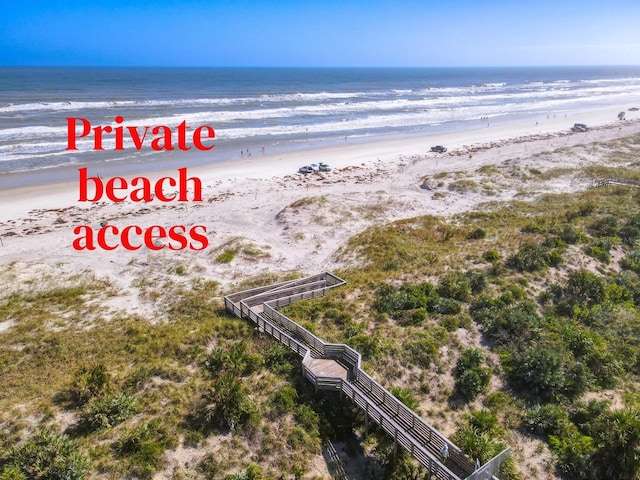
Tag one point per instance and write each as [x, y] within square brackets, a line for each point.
[615, 181]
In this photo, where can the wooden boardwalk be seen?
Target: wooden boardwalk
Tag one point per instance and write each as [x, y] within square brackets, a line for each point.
[337, 367]
[615, 181]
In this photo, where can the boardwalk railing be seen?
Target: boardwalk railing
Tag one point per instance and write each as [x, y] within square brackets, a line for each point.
[615, 181]
[418, 438]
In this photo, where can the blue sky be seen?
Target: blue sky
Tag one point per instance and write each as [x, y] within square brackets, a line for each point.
[323, 33]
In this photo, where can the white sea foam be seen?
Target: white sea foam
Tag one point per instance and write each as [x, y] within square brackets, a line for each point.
[35, 132]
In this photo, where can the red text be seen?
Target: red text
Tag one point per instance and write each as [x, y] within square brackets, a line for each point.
[163, 135]
[134, 237]
[116, 188]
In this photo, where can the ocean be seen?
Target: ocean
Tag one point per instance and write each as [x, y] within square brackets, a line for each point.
[256, 111]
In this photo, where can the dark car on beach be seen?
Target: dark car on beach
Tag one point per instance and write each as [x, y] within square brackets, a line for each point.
[439, 149]
[306, 169]
[579, 127]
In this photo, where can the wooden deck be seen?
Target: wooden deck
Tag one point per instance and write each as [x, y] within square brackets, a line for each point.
[258, 308]
[322, 367]
[337, 367]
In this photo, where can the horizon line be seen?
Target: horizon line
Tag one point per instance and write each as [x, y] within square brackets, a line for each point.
[329, 66]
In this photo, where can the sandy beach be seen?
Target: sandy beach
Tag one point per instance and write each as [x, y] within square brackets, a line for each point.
[258, 202]
[273, 221]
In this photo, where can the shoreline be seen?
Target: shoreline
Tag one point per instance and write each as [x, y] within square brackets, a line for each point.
[19, 201]
[299, 222]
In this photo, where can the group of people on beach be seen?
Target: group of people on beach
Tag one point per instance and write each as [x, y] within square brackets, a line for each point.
[249, 153]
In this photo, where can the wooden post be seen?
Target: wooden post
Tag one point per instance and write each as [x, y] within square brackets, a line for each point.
[395, 445]
[366, 421]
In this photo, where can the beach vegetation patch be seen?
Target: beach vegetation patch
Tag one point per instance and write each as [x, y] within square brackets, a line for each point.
[142, 448]
[90, 382]
[107, 411]
[46, 455]
[306, 201]
[477, 234]
[227, 405]
[463, 186]
[226, 256]
[472, 376]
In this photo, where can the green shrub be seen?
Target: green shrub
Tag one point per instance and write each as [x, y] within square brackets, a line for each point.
[629, 235]
[490, 256]
[144, 448]
[472, 378]
[455, 286]
[497, 401]
[299, 439]
[477, 445]
[573, 453]
[631, 261]
[338, 316]
[108, 410]
[585, 416]
[618, 439]
[604, 227]
[392, 300]
[554, 259]
[472, 382]
[570, 235]
[283, 400]
[89, 383]
[447, 306]
[630, 282]
[228, 405]
[307, 417]
[532, 228]
[11, 473]
[547, 420]
[507, 324]
[280, 360]
[586, 209]
[583, 288]
[193, 439]
[598, 253]
[252, 472]
[592, 350]
[369, 346]
[477, 234]
[47, 456]
[226, 256]
[469, 359]
[405, 395]
[209, 465]
[484, 421]
[450, 323]
[412, 317]
[235, 360]
[547, 374]
[477, 281]
[530, 258]
[422, 350]
[554, 242]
